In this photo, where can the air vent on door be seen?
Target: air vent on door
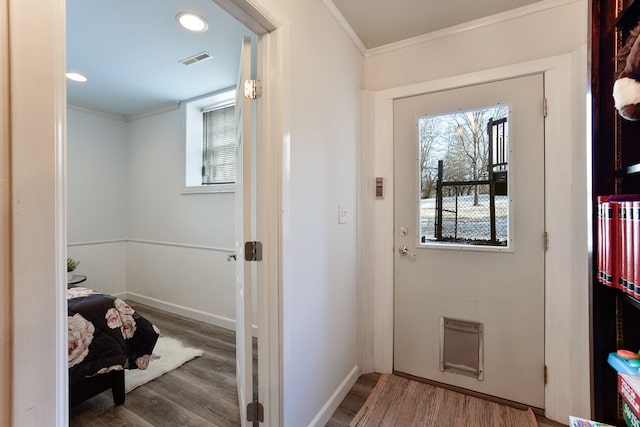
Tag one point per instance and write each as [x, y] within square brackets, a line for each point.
[198, 57]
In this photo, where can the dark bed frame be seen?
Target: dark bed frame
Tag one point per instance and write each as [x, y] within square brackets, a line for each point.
[89, 387]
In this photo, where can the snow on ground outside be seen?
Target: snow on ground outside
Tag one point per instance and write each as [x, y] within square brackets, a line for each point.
[473, 221]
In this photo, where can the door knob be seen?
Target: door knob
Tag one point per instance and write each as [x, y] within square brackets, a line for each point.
[404, 251]
[231, 256]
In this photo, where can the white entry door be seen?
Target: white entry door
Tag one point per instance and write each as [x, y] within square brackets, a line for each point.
[469, 238]
[243, 233]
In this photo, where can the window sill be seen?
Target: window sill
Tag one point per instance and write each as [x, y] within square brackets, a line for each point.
[463, 247]
[209, 189]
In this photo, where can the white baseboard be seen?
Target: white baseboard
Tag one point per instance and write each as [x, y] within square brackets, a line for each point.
[323, 416]
[180, 310]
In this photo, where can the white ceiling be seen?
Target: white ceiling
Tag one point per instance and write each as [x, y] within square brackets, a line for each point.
[129, 49]
[380, 22]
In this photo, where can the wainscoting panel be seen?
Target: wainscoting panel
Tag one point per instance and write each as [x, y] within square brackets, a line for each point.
[104, 263]
[192, 281]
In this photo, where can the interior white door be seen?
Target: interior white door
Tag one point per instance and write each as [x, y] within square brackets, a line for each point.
[498, 287]
[244, 210]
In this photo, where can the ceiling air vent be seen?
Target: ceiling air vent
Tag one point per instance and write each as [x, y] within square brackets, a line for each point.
[198, 57]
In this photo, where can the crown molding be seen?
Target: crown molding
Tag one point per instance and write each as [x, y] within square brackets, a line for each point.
[467, 26]
[342, 21]
[158, 109]
[112, 116]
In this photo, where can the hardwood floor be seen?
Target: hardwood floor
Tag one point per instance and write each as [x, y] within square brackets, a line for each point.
[354, 400]
[200, 393]
[352, 403]
[203, 391]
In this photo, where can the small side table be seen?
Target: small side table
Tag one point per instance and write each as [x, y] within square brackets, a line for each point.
[75, 280]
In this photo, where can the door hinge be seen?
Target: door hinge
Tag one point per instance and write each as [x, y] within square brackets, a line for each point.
[255, 412]
[545, 374]
[253, 251]
[545, 108]
[545, 240]
[252, 89]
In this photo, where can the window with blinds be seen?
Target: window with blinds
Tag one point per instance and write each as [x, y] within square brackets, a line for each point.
[218, 146]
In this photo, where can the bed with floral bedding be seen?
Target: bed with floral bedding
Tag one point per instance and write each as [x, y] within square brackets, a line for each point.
[106, 336]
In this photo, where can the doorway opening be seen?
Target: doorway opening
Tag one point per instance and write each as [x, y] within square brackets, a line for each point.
[137, 229]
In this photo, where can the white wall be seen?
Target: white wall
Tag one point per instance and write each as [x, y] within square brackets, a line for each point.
[157, 210]
[97, 198]
[96, 177]
[454, 58]
[580, 337]
[323, 74]
[194, 282]
[178, 243]
[131, 228]
[536, 35]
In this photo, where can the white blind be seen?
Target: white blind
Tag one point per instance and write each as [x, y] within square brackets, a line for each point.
[218, 146]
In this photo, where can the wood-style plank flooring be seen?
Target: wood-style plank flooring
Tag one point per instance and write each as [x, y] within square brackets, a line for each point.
[352, 403]
[360, 392]
[200, 393]
[203, 391]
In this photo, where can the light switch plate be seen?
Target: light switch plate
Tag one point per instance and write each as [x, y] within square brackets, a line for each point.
[342, 214]
[379, 187]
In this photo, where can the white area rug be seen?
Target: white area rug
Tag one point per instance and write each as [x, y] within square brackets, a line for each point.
[173, 354]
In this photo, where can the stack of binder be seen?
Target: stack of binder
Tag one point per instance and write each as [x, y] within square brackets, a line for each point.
[619, 242]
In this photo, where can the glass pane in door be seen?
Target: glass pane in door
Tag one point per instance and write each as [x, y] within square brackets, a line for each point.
[464, 166]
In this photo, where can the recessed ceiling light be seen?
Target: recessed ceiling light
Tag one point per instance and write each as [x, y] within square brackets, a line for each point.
[76, 77]
[192, 22]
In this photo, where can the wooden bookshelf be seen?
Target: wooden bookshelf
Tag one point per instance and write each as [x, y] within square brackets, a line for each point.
[628, 171]
[615, 321]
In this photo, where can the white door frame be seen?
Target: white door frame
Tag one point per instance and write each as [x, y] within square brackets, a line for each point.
[38, 205]
[5, 222]
[566, 260]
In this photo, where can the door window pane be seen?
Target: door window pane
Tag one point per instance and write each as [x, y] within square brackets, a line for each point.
[463, 164]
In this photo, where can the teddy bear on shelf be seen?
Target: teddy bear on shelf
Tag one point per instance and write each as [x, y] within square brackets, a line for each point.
[626, 89]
